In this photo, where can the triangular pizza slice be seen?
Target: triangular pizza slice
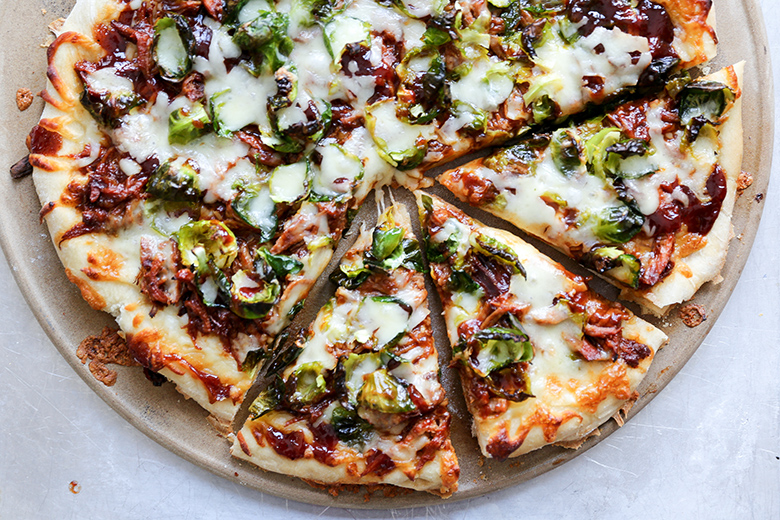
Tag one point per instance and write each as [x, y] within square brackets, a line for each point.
[361, 402]
[642, 193]
[542, 358]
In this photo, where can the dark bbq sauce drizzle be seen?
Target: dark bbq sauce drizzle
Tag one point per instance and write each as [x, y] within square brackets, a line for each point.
[647, 19]
[698, 216]
[44, 142]
[291, 445]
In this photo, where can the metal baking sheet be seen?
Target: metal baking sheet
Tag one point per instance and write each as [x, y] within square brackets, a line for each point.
[180, 425]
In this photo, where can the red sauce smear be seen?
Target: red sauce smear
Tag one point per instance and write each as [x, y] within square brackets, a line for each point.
[291, 445]
[378, 463]
[44, 142]
[698, 216]
[647, 19]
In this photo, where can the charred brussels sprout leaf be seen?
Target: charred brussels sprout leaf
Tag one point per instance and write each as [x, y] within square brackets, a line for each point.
[283, 354]
[565, 152]
[500, 347]
[349, 427]
[618, 224]
[461, 281]
[265, 39]
[188, 124]
[704, 99]
[206, 240]
[253, 359]
[520, 157]
[629, 159]
[514, 12]
[282, 265]
[308, 384]
[268, 399]
[511, 383]
[617, 264]
[356, 367]
[252, 298]
[351, 275]
[107, 108]
[491, 247]
[386, 241]
[174, 180]
[384, 393]
[172, 37]
[256, 207]
[628, 148]
[596, 150]
[435, 37]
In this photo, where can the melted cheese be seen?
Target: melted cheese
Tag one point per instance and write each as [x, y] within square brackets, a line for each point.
[563, 66]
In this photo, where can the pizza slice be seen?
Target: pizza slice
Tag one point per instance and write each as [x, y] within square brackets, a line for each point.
[642, 194]
[489, 71]
[361, 402]
[542, 358]
[196, 180]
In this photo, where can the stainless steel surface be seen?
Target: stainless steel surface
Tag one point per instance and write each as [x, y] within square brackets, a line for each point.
[707, 445]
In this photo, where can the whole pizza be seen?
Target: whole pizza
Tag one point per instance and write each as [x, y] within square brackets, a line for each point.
[198, 162]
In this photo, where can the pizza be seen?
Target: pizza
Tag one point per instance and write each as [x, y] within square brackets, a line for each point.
[542, 358]
[360, 401]
[199, 161]
[642, 193]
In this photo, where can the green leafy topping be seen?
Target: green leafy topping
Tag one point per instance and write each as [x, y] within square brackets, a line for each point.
[356, 367]
[265, 39]
[252, 298]
[618, 224]
[461, 281]
[253, 359]
[187, 124]
[175, 181]
[383, 392]
[629, 159]
[308, 383]
[704, 99]
[596, 150]
[435, 37]
[491, 247]
[349, 427]
[268, 400]
[206, 241]
[255, 206]
[386, 241]
[500, 347]
[172, 35]
[109, 107]
[565, 152]
[351, 275]
[520, 158]
[282, 265]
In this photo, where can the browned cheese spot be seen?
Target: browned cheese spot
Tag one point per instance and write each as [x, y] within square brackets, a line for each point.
[90, 295]
[104, 265]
